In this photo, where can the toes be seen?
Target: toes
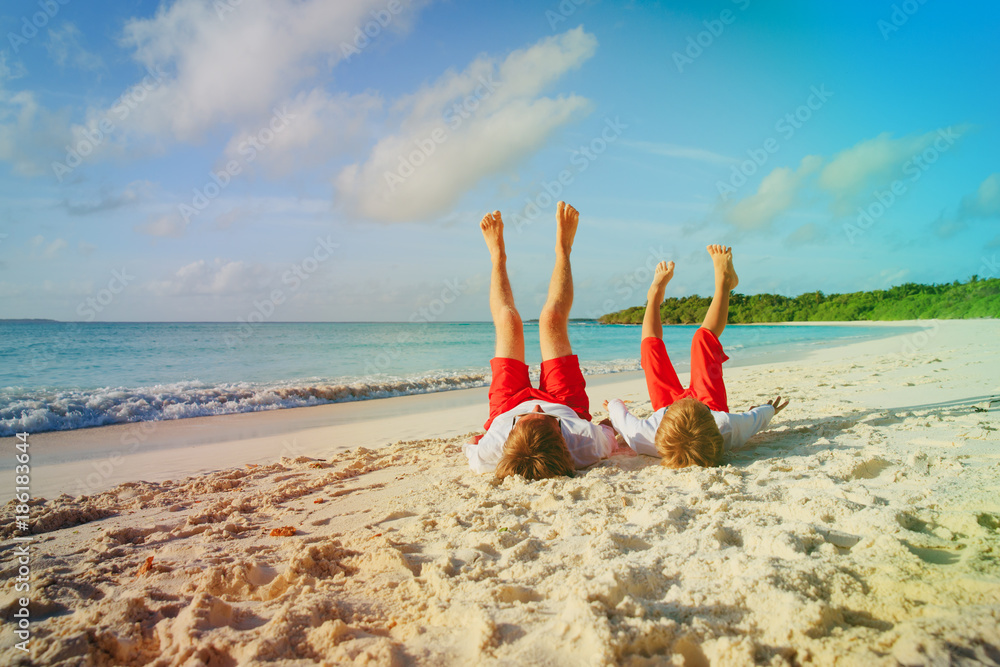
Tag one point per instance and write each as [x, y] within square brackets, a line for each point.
[490, 220]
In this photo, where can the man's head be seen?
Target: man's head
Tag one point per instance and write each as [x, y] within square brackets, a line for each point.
[535, 448]
[689, 436]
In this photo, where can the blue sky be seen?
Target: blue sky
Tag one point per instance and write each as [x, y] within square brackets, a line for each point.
[203, 160]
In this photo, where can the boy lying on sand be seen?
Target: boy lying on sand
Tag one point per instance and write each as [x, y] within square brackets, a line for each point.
[698, 427]
[544, 432]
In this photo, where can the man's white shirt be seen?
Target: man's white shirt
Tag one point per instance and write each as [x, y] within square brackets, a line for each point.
[587, 442]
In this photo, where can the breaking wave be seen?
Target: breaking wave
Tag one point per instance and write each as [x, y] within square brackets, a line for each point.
[39, 410]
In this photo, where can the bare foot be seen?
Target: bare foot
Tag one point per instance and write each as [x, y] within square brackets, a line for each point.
[662, 275]
[567, 219]
[492, 228]
[734, 279]
[722, 258]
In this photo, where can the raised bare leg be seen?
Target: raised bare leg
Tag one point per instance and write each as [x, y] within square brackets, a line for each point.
[652, 325]
[506, 319]
[553, 323]
[725, 281]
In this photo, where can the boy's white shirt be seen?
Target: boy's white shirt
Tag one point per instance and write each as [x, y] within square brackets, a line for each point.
[587, 442]
[640, 434]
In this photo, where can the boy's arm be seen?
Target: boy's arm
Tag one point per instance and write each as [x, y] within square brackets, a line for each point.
[640, 434]
[619, 446]
[745, 425]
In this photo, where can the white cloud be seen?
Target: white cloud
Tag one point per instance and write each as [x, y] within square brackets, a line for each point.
[219, 277]
[10, 72]
[64, 48]
[852, 173]
[236, 67]
[982, 204]
[985, 202]
[682, 152]
[847, 178]
[891, 277]
[808, 234]
[134, 193]
[464, 127]
[315, 127]
[170, 225]
[778, 193]
[30, 135]
[211, 64]
[43, 250]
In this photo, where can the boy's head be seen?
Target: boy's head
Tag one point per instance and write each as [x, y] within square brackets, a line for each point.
[689, 436]
[535, 449]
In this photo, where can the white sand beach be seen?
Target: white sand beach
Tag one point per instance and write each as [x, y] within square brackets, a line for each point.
[863, 529]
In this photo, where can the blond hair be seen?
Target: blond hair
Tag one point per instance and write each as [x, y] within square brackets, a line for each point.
[535, 450]
[689, 436]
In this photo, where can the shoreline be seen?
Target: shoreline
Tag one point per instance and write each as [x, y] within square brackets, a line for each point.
[92, 398]
[91, 460]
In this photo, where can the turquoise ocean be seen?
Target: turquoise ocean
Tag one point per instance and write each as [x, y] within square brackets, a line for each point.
[63, 376]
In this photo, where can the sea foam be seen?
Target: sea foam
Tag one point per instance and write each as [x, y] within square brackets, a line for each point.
[39, 410]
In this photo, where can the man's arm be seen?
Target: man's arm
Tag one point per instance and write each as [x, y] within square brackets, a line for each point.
[484, 455]
[588, 442]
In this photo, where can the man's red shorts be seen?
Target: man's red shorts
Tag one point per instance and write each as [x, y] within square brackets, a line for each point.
[561, 382]
[706, 372]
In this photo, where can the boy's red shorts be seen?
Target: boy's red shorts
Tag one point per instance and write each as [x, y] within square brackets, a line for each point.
[561, 382]
[706, 372]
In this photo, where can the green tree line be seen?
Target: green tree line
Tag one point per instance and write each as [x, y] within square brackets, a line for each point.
[957, 300]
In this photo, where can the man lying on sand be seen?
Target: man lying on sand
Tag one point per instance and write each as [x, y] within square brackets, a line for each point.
[698, 428]
[544, 432]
